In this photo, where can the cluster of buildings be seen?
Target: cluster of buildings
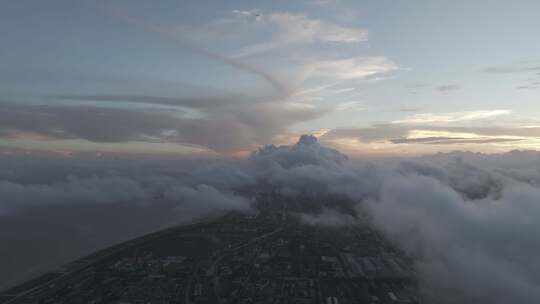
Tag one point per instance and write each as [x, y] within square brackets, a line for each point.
[266, 257]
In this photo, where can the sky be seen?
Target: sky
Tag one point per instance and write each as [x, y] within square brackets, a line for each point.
[196, 79]
[207, 82]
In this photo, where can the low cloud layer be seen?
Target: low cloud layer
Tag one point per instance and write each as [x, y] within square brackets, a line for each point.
[468, 219]
[469, 250]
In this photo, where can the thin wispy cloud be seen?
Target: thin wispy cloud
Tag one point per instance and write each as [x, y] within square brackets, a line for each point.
[290, 30]
[509, 69]
[409, 109]
[185, 43]
[352, 68]
[351, 106]
[422, 118]
[452, 137]
[449, 87]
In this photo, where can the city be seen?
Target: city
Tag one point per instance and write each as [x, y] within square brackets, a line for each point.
[269, 256]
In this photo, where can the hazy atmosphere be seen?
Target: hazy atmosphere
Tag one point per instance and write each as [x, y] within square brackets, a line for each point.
[416, 118]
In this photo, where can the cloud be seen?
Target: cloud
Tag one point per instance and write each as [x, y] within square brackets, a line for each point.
[69, 208]
[527, 67]
[224, 128]
[115, 190]
[352, 68]
[188, 102]
[324, 2]
[528, 87]
[73, 191]
[449, 87]
[422, 118]
[426, 138]
[467, 219]
[205, 197]
[250, 33]
[409, 109]
[342, 91]
[185, 114]
[351, 106]
[184, 42]
[296, 30]
[442, 137]
[306, 151]
[466, 223]
[509, 69]
[228, 123]
[451, 140]
[87, 122]
[381, 132]
[532, 84]
[253, 34]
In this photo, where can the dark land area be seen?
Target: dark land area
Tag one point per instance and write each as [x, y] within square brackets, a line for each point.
[269, 256]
